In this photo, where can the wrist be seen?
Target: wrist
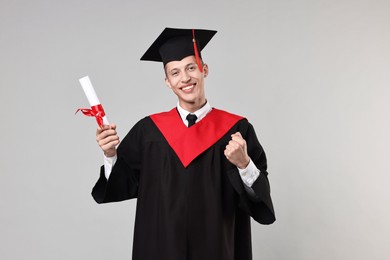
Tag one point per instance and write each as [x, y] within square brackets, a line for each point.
[110, 153]
[244, 164]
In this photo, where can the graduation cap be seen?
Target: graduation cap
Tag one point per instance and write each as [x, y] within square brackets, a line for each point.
[175, 44]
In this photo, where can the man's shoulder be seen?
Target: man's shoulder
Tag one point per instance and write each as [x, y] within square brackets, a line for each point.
[225, 116]
[149, 122]
[242, 123]
[141, 124]
[225, 113]
[147, 119]
[170, 113]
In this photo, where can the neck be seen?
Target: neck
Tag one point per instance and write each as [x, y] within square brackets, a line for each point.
[192, 107]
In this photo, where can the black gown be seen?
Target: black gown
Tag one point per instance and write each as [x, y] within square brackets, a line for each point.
[191, 202]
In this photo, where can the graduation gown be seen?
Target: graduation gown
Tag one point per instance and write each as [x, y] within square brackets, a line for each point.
[191, 202]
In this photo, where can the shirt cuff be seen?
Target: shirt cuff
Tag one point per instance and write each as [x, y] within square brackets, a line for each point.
[108, 164]
[250, 174]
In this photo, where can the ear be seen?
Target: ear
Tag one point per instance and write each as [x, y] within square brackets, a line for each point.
[205, 70]
[168, 83]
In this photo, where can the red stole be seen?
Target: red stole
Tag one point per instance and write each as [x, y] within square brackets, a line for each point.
[189, 142]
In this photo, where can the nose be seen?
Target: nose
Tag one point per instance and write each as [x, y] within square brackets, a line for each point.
[186, 77]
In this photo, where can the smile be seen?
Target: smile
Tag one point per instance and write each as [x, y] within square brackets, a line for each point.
[188, 87]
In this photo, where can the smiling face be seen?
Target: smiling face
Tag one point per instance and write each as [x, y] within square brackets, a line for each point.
[187, 82]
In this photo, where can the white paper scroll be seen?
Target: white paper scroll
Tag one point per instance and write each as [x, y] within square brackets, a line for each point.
[91, 94]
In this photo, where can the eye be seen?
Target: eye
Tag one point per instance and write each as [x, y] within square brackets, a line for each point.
[191, 68]
[174, 73]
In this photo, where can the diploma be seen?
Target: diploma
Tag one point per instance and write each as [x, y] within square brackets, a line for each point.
[96, 109]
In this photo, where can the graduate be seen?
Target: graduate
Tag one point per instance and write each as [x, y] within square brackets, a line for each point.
[199, 173]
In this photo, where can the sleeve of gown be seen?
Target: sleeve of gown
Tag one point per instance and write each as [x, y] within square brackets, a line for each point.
[258, 204]
[124, 177]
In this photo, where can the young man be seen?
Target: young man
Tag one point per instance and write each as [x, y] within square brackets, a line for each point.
[198, 173]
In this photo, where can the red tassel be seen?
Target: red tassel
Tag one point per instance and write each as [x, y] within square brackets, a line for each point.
[200, 66]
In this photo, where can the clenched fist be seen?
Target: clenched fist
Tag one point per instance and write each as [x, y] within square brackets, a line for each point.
[236, 151]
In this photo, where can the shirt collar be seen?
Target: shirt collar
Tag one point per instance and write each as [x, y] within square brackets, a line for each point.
[200, 113]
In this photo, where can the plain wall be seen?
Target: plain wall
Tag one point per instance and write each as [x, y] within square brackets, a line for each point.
[311, 75]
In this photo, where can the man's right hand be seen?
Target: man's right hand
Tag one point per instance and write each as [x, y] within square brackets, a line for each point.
[107, 139]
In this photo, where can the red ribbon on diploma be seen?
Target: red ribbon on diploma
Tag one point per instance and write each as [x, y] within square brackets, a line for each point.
[96, 111]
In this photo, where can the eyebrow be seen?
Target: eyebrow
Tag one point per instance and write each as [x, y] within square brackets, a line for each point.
[185, 66]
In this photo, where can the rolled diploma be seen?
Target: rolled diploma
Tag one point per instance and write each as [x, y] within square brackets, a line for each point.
[91, 94]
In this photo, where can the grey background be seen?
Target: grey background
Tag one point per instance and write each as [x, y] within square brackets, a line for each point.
[312, 76]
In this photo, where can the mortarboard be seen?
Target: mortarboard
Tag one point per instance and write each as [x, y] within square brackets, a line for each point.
[175, 44]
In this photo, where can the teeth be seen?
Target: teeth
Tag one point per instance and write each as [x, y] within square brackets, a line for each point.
[186, 88]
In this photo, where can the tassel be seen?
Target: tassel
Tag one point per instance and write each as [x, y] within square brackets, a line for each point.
[200, 66]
